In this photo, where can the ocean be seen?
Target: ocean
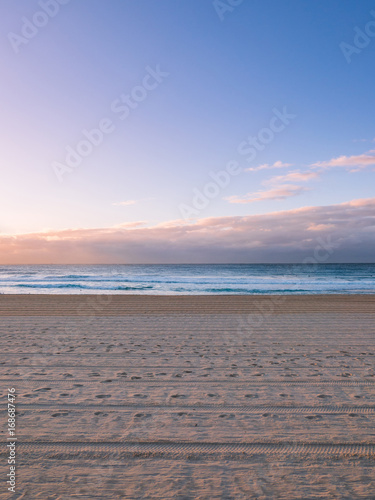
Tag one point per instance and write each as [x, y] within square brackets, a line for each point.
[189, 279]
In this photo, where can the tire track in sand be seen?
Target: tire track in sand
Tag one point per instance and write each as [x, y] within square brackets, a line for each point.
[67, 449]
[253, 409]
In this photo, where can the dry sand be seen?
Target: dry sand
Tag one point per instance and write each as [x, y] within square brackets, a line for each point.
[190, 397]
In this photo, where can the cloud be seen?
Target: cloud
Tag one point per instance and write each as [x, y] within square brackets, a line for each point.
[320, 227]
[295, 176]
[266, 166]
[130, 225]
[282, 187]
[346, 231]
[276, 193]
[125, 203]
[361, 161]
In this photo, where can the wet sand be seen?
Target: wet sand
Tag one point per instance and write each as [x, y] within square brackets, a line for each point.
[190, 397]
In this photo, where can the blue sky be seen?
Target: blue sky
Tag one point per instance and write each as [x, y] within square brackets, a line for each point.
[225, 70]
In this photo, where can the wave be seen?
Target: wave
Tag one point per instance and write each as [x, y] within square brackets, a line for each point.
[65, 285]
[254, 290]
[85, 287]
[141, 287]
[67, 277]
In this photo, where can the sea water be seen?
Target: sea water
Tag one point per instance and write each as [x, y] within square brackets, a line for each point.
[189, 279]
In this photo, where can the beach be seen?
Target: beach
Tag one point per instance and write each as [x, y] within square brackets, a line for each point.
[190, 397]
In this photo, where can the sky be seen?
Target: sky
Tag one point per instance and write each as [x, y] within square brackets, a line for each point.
[187, 131]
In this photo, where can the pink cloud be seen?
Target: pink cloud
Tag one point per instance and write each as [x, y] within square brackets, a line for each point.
[125, 203]
[295, 176]
[266, 166]
[320, 227]
[276, 193]
[362, 161]
[281, 188]
[130, 225]
[285, 236]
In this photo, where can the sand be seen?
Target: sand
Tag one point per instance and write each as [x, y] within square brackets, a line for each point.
[190, 397]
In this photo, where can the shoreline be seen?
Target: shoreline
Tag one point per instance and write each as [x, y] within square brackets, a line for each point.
[119, 305]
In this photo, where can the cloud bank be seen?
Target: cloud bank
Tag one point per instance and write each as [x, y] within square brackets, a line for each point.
[286, 236]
